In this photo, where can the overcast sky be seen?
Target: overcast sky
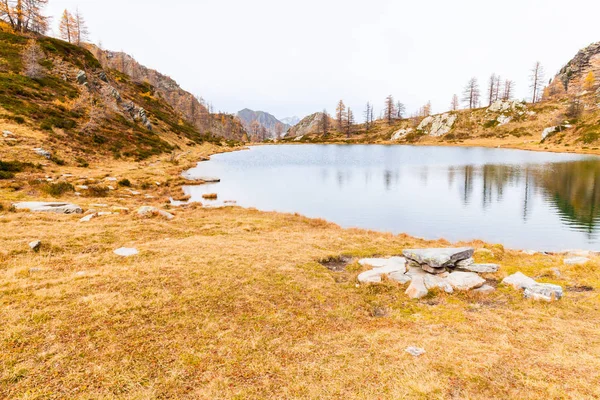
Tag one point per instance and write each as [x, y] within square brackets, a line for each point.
[298, 57]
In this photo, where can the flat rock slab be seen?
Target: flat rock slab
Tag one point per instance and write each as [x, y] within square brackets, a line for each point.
[485, 289]
[465, 280]
[383, 266]
[49, 207]
[439, 258]
[207, 179]
[534, 290]
[415, 351]
[519, 281]
[126, 252]
[417, 288]
[149, 210]
[481, 268]
[576, 260]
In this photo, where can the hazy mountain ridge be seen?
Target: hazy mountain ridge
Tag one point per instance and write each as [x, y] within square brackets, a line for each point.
[272, 127]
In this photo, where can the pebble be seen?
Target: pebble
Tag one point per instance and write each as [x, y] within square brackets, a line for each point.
[126, 252]
[415, 351]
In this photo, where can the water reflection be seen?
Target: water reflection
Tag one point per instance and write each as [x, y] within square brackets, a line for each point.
[522, 199]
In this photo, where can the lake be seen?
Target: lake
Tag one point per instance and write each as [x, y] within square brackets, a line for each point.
[521, 199]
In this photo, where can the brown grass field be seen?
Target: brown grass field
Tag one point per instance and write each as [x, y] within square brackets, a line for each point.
[234, 303]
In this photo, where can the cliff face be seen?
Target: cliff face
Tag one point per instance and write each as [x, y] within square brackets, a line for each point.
[571, 79]
[272, 125]
[183, 102]
[309, 125]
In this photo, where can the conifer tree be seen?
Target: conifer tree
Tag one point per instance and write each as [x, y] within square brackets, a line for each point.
[340, 115]
[68, 27]
[590, 81]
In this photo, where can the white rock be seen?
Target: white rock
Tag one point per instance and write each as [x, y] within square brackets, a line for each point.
[149, 210]
[519, 281]
[503, 120]
[41, 152]
[401, 133]
[465, 263]
[417, 288]
[50, 207]
[111, 179]
[88, 218]
[482, 268]
[83, 187]
[35, 245]
[544, 291]
[439, 258]
[548, 131]
[465, 280]
[400, 277]
[415, 351]
[126, 252]
[110, 187]
[104, 213]
[438, 282]
[99, 205]
[485, 289]
[506, 105]
[7, 133]
[440, 124]
[576, 261]
[299, 138]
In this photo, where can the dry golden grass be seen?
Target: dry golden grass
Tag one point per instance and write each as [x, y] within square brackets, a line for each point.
[233, 303]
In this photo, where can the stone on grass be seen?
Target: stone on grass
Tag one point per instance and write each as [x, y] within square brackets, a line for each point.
[544, 292]
[417, 288]
[41, 152]
[400, 277]
[439, 258]
[485, 289]
[438, 282]
[383, 266]
[126, 252]
[519, 281]
[415, 351]
[481, 268]
[50, 207]
[149, 210]
[576, 260]
[88, 218]
[35, 245]
[465, 280]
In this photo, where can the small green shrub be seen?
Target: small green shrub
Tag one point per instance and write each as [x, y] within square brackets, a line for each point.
[590, 136]
[491, 124]
[124, 183]
[57, 161]
[97, 191]
[82, 162]
[57, 189]
[9, 168]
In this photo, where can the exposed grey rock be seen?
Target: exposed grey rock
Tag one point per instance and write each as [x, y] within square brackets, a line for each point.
[548, 131]
[503, 120]
[401, 133]
[465, 280]
[415, 351]
[35, 245]
[576, 260]
[501, 106]
[439, 258]
[149, 210]
[481, 268]
[207, 179]
[417, 288]
[465, 263]
[7, 133]
[438, 282]
[103, 76]
[543, 291]
[88, 218]
[432, 270]
[126, 252]
[82, 78]
[41, 152]
[51, 207]
[400, 277]
[519, 281]
[485, 289]
[437, 125]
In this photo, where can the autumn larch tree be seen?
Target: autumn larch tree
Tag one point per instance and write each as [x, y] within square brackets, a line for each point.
[340, 115]
[67, 27]
[349, 122]
[491, 88]
[81, 30]
[509, 87]
[31, 60]
[497, 89]
[590, 81]
[537, 79]
[454, 104]
[325, 123]
[24, 15]
[390, 109]
[400, 110]
[471, 93]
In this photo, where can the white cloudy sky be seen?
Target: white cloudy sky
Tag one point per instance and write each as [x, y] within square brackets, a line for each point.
[298, 57]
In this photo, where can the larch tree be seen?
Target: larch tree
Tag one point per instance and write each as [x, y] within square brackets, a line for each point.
[81, 30]
[400, 110]
[426, 111]
[497, 89]
[589, 81]
[537, 79]
[471, 93]
[32, 56]
[325, 123]
[491, 88]
[509, 87]
[454, 104]
[349, 122]
[390, 109]
[24, 15]
[367, 115]
[67, 27]
[340, 115]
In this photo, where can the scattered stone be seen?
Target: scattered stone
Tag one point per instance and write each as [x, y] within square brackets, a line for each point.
[465, 280]
[33, 270]
[465, 263]
[437, 125]
[576, 261]
[51, 207]
[415, 351]
[81, 273]
[88, 218]
[111, 187]
[35, 245]
[438, 282]
[485, 289]
[534, 290]
[401, 133]
[439, 258]
[104, 213]
[548, 131]
[383, 266]
[7, 133]
[149, 210]
[82, 77]
[126, 252]
[41, 152]
[400, 278]
[503, 120]
[99, 205]
[83, 187]
[481, 268]
[111, 179]
[417, 288]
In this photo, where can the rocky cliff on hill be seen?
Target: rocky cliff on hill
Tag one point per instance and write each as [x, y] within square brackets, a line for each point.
[311, 124]
[191, 108]
[272, 125]
[572, 77]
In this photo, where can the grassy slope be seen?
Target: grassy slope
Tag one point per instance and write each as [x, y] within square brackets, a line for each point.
[474, 128]
[232, 303]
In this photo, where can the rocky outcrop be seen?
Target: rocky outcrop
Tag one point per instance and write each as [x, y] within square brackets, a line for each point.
[437, 125]
[310, 124]
[49, 207]
[570, 79]
[272, 125]
[532, 289]
[401, 133]
[507, 107]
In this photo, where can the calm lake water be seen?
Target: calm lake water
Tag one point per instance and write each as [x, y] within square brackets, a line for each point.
[524, 200]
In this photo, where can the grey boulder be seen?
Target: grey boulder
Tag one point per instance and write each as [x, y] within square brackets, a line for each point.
[534, 290]
[439, 258]
[49, 207]
[465, 280]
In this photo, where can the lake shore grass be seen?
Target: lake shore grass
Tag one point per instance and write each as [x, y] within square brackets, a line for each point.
[233, 303]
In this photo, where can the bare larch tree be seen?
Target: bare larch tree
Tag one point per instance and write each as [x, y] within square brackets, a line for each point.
[537, 79]
[471, 93]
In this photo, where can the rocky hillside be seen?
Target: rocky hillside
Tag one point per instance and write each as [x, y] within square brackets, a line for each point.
[185, 103]
[75, 109]
[308, 125]
[272, 125]
[575, 77]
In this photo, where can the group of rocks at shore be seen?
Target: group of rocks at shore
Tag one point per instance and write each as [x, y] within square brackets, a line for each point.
[448, 269]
